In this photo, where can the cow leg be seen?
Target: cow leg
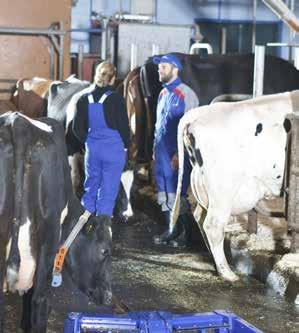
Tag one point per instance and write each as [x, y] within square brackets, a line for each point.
[2, 272]
[214, 226]
[39, 306]
[26, 312]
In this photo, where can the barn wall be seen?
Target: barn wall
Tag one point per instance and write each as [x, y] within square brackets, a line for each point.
[184, 12]
[80, 20]
[27, 56]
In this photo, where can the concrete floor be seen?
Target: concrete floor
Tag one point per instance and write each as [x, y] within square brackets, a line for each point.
[149, 277]
[146, 277]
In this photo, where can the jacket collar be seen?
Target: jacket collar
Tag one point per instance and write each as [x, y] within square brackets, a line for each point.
[173, 84]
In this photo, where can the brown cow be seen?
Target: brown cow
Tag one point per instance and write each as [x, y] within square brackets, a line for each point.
[30, 96]
[139, 118]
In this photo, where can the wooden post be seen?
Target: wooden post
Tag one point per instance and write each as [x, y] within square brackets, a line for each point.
[293, 186]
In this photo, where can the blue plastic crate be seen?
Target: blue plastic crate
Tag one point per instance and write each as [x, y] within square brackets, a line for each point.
[158, 322]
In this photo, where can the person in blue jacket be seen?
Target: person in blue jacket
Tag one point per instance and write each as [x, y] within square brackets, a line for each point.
[174, 100]
[101, 123]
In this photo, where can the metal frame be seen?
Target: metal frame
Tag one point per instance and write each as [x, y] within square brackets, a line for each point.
[55, 36]
[199, 45]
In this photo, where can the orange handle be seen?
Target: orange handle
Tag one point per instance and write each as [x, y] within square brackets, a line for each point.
[59, 259]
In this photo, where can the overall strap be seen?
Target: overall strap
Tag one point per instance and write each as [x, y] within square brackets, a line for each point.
[90, 98]
[104, 96]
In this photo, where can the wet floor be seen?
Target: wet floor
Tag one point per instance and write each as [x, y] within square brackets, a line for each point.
[146, 277]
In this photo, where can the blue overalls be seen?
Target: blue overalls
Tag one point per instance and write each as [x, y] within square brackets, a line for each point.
[170, 109]
[105, 158]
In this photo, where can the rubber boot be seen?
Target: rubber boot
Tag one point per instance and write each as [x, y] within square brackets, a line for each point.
[106, 219]
[167, 235]
[184, 238]
[93, 222]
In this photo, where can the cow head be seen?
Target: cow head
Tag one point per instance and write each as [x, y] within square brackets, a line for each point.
[123, 207]
[89, 260]
[60, 94]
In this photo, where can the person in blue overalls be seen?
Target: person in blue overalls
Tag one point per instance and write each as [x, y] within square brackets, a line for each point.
[174, 100]
[101, 123]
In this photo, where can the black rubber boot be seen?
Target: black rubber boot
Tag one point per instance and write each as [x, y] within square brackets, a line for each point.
[184, 238]
[94, 221]
[105, 219]
[167, 235]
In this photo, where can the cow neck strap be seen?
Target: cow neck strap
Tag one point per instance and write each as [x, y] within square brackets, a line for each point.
[60, 256]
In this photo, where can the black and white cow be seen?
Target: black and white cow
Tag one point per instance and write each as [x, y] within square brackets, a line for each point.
[63, 98]
[209, 76]
[38, 209]
[237, 151]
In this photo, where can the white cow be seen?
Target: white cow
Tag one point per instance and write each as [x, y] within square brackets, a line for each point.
[238, 153]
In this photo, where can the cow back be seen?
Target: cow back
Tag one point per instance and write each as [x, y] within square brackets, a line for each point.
[215, 75]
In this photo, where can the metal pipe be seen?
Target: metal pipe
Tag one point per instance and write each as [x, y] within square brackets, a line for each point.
[112, 47]
[284, 13]
[52, 64]
[205, 46]
[155, 49]
[258, 76]
[282, 44]
[108, 44]
[133, 56]
[292, 8]
[61, 53]
[55, 43]
[253, 39]
[104, 39]
[31, 31]
[223, 40]
[291, 34]
[296, 57]
[219, 10]
[80, 61]
[97, 30]
[240, 30]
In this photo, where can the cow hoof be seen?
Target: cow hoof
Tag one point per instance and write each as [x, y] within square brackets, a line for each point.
[158, 240]
[229, 276]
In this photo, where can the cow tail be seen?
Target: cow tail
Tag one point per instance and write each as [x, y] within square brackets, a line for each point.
[180, 139]
[14, 259]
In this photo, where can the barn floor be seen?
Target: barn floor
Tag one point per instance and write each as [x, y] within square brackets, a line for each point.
[146, 277]
[150, 278]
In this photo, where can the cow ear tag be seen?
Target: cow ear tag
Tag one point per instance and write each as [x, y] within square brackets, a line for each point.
[56, 280]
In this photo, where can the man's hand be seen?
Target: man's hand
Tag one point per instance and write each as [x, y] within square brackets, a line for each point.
[175, 162]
